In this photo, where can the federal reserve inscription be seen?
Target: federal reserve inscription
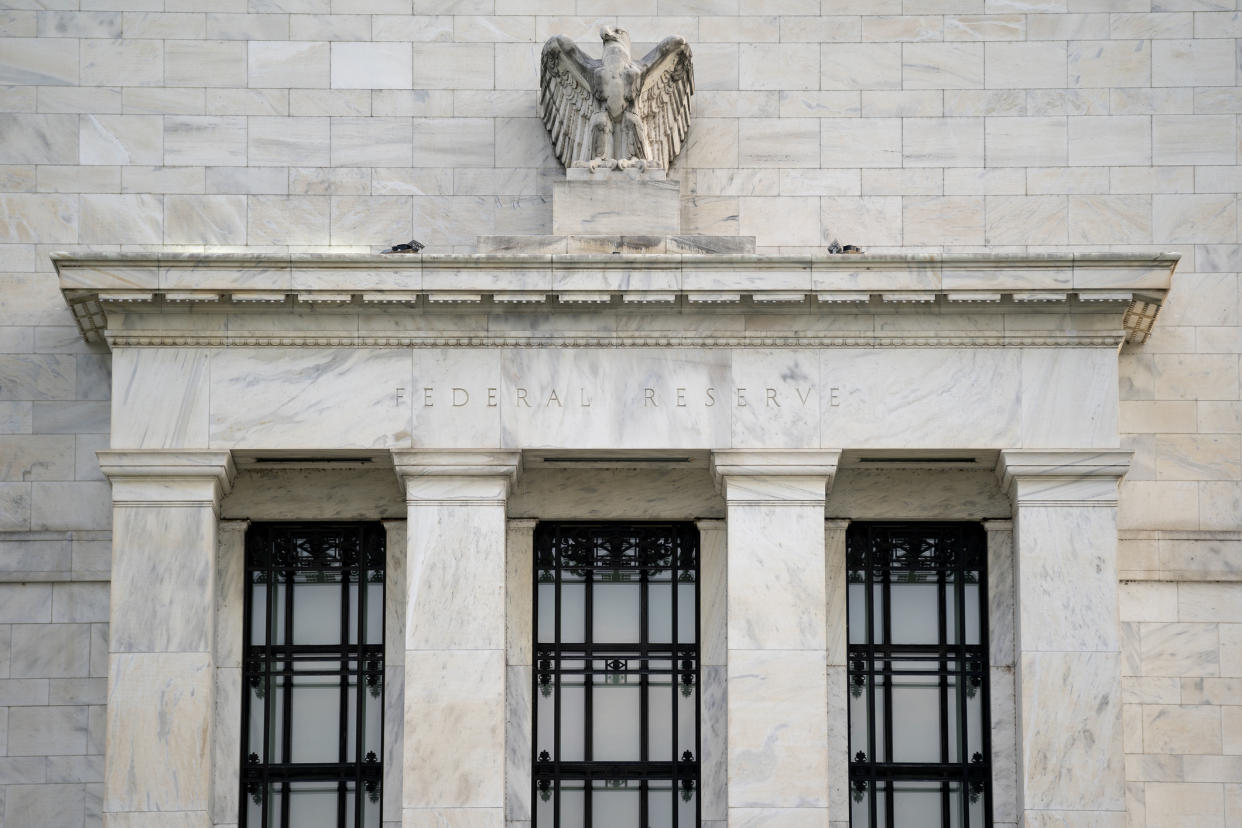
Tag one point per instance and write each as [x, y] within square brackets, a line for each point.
[703, 396]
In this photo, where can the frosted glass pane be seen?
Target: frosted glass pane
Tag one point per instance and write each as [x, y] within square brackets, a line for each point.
[916, 719]
[353, 612]
[659, 613]
[974, 724]
[915, 613]
[660, 806]
[258, 613]
[316, 712]
[686, 808]
[615, 721]
[375, 613]
[858, 721]
[858, 613]
[280, 596]
[616, 612]
[951, 719]
[877, 612]
[254, 738]
[916, 805]
[573, 612]
[971, 613]
[572, 713]
[660, 723]
[573, 802]
[686, 706]
[547, 613]
[685, 613]
[313, 804]
[950, 612]
[614, 807]
[317, 613]
[373, 736]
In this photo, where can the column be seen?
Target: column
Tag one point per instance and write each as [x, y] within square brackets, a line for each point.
[161, 671]
[230, 611]
[713, 670]
[394, 669]
[454, 739]
[519, 660]
[1067, 648]
[835, 586]
[777, 635]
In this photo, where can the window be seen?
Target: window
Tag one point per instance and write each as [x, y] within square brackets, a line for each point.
[918, 662]
[313, 668]
[617, 674]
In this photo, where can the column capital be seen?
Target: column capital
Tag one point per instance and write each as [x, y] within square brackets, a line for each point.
[1062, 477]
[462, 476]
[170, 477]
[794, 477]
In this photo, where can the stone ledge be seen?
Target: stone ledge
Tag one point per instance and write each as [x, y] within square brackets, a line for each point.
[820, 284]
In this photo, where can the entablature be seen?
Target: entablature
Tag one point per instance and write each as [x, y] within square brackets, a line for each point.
[733, 300]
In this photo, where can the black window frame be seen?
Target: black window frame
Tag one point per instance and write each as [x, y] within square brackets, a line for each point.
[361, 553]
[551, 552]
[960, 548]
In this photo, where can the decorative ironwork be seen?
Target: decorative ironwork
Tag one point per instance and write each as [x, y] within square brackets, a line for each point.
[918, 652]
[617, 663]
[313, 634]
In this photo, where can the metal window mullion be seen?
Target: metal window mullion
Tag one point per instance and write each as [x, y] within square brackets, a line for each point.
[286, 713]
[693, 539]
[588, 701]
[886, 601]
[342, 655]
[644, 685]
[556, 680]
[360, 676]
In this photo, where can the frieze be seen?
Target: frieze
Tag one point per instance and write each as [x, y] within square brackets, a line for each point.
[1109, 340]
[580, 396]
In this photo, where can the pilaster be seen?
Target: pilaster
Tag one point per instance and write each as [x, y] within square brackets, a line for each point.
[455, 676]
[835, 587]
[162, 635]
[777, 634]
[1066, 636]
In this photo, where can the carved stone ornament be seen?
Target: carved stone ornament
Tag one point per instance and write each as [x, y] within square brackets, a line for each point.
[616, 113]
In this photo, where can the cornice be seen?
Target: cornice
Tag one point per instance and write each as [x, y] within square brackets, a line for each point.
[181, 339]
[95, 285]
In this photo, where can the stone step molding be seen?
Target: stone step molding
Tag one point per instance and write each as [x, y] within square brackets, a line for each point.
[188, 288]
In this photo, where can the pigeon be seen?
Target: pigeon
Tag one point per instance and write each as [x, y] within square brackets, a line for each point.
[836, 247]
[412, 246]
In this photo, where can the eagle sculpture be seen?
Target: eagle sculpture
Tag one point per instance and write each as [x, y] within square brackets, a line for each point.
[616, 112]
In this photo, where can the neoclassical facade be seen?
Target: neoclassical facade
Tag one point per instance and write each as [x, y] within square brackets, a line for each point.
[527, 527]
[767, 404]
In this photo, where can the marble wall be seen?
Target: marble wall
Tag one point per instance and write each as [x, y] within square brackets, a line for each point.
[928, 125]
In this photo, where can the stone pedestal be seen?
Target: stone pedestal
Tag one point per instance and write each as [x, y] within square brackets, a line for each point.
[161, 667]
[777, 635]
[454, 736]
[1070, 769]
[616, 203]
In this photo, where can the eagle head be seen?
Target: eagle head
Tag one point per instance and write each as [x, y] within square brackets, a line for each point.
[614, 34]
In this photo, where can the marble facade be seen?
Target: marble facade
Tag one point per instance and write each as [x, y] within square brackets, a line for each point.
[462, 399]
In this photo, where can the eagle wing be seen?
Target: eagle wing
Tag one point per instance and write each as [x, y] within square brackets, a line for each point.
[565, 100]
[664, 98]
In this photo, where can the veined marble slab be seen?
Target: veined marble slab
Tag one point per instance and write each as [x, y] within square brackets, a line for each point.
[615, 398]
[303, 398]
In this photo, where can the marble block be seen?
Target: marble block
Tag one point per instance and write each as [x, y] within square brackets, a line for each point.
[778, 729]
[617, 206]
[159, 712]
